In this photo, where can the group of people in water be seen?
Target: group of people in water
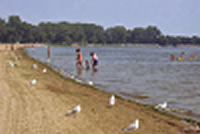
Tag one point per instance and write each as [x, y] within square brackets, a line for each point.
[94, 60]
[79, 64]
[182, 57]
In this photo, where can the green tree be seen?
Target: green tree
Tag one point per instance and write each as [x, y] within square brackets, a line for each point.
[116, 34]
[3, 30]
[14, 32]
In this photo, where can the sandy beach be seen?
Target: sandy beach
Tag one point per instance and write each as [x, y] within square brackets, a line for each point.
[42, 108]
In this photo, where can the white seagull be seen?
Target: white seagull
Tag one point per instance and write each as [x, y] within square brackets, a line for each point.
[75, 110]
[33, 82]
[161, 106]
[71, 76]
[90, 83]
[11, 64]
[78, 80]
[34, 66]
[133, 126]
[112, 100]
[44, 70]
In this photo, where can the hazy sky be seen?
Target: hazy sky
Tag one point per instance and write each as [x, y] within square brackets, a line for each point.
[179, 17]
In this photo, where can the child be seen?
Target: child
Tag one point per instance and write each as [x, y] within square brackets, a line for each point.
[79, 59]
[87, 64]
[94, 61]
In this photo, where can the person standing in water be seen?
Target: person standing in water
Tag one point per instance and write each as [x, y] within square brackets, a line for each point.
[48, 52]
[95, 61]
[173, 58]
[87, 65]
[79, 59]
[183, 56]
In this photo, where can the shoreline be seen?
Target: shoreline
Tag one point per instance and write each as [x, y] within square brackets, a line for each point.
[54, 100]
[174, 112]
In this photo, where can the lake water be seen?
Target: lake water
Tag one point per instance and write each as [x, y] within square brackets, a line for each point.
[143, 74]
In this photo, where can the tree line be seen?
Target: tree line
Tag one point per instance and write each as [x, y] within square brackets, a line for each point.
[15, 30]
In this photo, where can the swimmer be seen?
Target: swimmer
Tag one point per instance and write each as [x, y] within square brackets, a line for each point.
[182, 58]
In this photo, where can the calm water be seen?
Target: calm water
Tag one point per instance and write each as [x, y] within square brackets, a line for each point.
[132, 72]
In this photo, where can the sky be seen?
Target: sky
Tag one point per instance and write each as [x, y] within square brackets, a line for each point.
[172, 17]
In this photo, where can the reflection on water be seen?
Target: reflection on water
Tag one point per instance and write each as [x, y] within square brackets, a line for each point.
[131, 71]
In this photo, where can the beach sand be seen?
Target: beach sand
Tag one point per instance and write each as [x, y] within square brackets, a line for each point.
[42, 108]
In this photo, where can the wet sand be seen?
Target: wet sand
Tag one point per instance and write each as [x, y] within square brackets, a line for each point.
[42, 108]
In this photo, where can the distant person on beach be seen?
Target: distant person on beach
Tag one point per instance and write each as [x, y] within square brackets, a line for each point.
[95, 61]
[79, 59]
[173, 58]
[87, 65]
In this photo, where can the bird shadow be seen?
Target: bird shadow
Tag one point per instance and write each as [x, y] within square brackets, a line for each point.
[109, 106]
[74, 115]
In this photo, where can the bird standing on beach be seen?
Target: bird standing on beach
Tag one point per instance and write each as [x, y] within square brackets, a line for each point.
[133, 126]
[78, 80]
[71, 77]
[11, 64]
[112, 100]
[33, 82]
[75, 110]
[44, 70]
[161, 106]
[90, 83]
[34, 66]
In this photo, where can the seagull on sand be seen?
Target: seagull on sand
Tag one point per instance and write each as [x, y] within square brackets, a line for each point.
[33, 82]
[112, 100]
[44, 70]
[11, 64]
[133, 126]
[78, 80]
[71, 76]
[34, 66]
[90, 83]
[161, 106]
[75, 110]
